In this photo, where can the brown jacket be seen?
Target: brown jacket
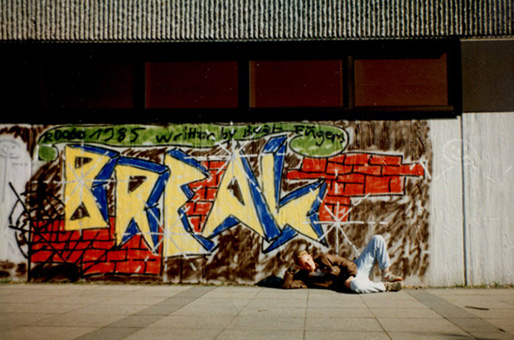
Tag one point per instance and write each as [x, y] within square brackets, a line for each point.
[332, 272]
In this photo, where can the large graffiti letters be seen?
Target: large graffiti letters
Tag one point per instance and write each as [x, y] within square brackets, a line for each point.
[139, 185]
[179, 237]
[144, 200]
[87, 170]
[241, 198]
[297, 210]
[257, 203]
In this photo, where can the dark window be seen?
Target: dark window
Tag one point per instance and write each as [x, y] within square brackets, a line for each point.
[20, 84]
[205, 84]
[232, 81]
[401, 82]
[312, 83]
[96, 84]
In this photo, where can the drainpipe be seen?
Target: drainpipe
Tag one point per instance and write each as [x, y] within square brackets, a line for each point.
[464, 222]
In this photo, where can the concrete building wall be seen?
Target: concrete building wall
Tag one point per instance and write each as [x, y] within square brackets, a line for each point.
[471, 216]
[487, 69]
[437, 189]
[488, 179]
[445, 211]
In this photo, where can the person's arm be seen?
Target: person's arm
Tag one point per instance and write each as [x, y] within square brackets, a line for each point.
[292, 282]
[346, 266]
[340, 266]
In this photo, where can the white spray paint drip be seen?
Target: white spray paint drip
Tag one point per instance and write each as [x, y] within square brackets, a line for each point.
[426, 170]
[507, 170]
[8, 152]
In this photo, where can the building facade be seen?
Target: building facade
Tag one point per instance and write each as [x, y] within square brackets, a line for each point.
[206, 141]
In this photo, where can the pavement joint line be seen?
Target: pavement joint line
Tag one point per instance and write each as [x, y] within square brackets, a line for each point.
[455, 314]
[375, 317]
[122, 328]
[305, 314]
[239, 313]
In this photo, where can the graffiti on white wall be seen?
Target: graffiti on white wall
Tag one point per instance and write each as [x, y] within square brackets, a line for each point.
[140, 200]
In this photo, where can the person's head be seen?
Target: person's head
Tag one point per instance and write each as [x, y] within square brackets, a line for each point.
[304, 260]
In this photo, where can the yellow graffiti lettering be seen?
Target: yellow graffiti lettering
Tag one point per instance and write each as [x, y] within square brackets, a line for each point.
[133, 188]
[81, 209]
[234, 199]
[293, 213]
[177, 241]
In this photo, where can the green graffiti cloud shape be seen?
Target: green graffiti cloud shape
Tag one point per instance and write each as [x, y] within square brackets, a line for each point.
[307, 139]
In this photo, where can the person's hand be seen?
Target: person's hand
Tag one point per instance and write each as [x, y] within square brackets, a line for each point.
[291, 270]
[348, 281]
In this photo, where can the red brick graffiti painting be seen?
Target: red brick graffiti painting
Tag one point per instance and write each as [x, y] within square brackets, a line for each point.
[218, 203]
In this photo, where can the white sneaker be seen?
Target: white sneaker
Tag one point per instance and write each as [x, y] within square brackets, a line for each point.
[393, 286]
[390, 277]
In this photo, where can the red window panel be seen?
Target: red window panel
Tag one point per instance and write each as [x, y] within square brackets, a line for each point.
[212, 84]
[401, 82]
[307, 83]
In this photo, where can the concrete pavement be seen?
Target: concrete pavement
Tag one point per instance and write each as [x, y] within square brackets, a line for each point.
[112, 311]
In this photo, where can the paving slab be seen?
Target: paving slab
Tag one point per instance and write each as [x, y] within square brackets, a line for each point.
[260, 334]
[506, 325]
[350, 335]
[209, 302]
[405, 313]
[225, 310]
[353, 312]
[195, 322]
[116, 311]
[267, 322]
[45, 333]
[297, 312]
[356, 302]
[492, 336]
[432, 335]
[328, 323]
[267, 302]
[226, 292]
[110, 333]
[420, 325]
[456, 308]
[110, 308]
[270, 293]
[74, 319]
[16, 319]
[39, 307]
[158, 333]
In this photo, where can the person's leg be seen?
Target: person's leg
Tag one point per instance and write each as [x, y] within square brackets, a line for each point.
[361, 284]
[376, 250]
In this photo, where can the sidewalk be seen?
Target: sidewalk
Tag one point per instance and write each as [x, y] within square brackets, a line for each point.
[95, 312]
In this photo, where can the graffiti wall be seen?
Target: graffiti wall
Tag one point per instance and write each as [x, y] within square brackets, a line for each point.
[209, 202]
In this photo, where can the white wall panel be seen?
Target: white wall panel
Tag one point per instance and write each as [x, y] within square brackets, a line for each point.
[489, 197]
[446, 236]
[15, 171]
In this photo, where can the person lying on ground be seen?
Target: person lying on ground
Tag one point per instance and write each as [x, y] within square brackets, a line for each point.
[340, 274]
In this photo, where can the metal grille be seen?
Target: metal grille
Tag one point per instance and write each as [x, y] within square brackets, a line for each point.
[246, 20]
